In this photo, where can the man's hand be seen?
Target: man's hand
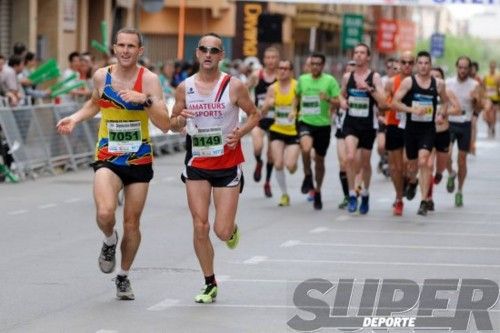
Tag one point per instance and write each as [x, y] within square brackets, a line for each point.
[65, 126]
[233, 138]
[132, 96]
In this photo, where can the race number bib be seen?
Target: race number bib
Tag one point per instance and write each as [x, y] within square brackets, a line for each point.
[427, 116]
[124, 137]
[310, 105]
[282, 115]
[491, 92]
[359, 106]
[207, 142]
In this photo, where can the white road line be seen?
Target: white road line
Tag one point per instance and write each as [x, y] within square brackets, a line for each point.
[319, 230]
[17, 212]
[290, 243]
[168, 179]
[389, 246]
[49, 205]
[378, 263]
[420, 233]
[255, 260]
[417, 220]
[223, 278]
[166, 303]
[106, 331]
[72, 200]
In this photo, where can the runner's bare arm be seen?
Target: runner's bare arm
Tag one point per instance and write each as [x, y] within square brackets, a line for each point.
[241, 98]
[343, 92]
[441, 88]
[454, 107]
[88, 110]
[179, 112]
[397, 103]
[378, 92]
[157, 112]
[269, 101]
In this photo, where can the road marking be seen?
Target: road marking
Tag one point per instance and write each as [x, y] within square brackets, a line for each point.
[223, 278]
[46, 206]
[166, 303]
[378, 263]
[388, 246]
[417, 220]
[319, 230]
[290, 243]
[168, 179]
[17, 212]
[106, 331]
[422, 233]
[255, 260]
[72, 200]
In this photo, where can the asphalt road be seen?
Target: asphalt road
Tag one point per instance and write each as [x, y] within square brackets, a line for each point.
[50, 282]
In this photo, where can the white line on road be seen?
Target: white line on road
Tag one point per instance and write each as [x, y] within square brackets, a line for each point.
[389, 246]
[17, 212]
[72, 200]
[255, 260]
[166, 303]
[389, 232]
[378, 263]
[168, 179]
[106, 331]
[418, 220]
[46, 206]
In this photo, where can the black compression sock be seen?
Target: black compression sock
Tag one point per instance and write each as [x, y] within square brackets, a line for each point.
[210, 279]
[257, 158]
[269, 170]
[343, 181]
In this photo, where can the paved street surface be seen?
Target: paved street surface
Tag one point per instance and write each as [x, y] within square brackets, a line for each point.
[50, 282]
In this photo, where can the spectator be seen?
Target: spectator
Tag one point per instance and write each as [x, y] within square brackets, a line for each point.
[30, 63]
[9, 83]
[20, 49]
[166, 76]
[179, 74]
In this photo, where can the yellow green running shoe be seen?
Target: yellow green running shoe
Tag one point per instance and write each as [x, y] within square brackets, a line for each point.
[284, 201]
[459, 199]
[207, 295]
[235, 238]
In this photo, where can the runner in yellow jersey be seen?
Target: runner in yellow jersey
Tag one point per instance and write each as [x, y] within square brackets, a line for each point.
[492, 87]
[283, 133]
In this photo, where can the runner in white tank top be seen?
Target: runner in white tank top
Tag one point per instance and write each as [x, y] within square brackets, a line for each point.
[211, 100]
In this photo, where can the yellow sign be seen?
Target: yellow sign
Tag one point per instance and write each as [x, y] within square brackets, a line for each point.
[251, 14]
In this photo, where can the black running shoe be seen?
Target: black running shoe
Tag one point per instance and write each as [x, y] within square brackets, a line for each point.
[422, 210]
[307, 184]
[411, 190]
[318, 204]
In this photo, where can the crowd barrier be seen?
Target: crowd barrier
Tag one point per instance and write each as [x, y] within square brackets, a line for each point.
[37, 148]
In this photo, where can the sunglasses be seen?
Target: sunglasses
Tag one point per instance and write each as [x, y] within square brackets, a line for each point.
[208, 49]
[316, 64]
[407, 62]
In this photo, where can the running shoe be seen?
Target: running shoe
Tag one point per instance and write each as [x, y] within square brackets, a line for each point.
[437, 178]
[107, 257]
[257, 174]
[352, 206]
[284, 201]
[344, 203]
[459, 199]
[307, 184]
[123, 288]
[450, 184]
[267, 190]
[310, 196]
[398, 208]
[422, 210]
[430, 205]
[318, 204]
[235, 238]
[365, 204]
[207, 295]
[411, 190]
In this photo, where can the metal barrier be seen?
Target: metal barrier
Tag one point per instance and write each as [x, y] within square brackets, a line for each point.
[37, 148]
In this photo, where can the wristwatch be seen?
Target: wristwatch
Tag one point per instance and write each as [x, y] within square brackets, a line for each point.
[148, 102]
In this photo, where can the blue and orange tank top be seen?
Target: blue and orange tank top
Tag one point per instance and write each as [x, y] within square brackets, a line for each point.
[123, 132]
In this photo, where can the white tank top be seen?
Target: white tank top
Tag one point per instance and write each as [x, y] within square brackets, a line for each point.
[463, 92]
[215, 118]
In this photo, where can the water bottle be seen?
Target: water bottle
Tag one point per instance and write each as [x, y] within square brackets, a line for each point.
[191, 128]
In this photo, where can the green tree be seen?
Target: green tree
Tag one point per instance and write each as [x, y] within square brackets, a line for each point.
[477, 49]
